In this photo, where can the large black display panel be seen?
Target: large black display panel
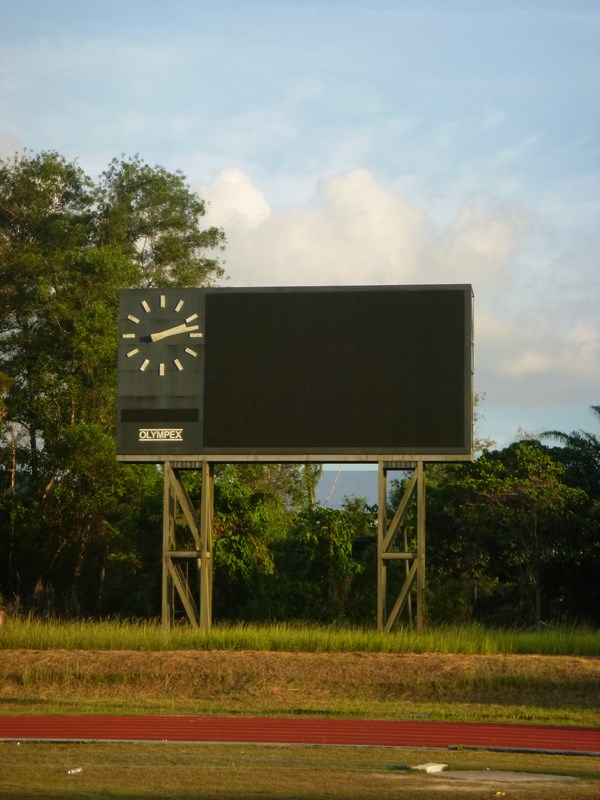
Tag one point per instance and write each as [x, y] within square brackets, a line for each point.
[315, 372]
[338, 371]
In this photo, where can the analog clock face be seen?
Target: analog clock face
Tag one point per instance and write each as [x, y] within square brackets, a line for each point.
[162, 334]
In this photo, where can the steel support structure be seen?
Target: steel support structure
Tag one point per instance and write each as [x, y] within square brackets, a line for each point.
[187, 572]
[391, 546]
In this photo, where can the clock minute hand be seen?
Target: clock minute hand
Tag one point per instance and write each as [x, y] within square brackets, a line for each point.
[183, 328]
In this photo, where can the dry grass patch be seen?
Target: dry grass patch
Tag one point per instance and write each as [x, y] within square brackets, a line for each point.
[557, 689]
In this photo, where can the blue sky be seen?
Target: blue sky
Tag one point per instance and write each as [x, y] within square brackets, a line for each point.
[358, 141]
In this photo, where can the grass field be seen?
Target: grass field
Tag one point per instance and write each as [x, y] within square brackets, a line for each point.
[116, 635]
[145, 771]
[550, 677]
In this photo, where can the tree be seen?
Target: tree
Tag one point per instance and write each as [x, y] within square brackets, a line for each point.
[318, 565]
[311, 474]
[249, 518]
[579, 454]
[154, 217]
[67, 246]
[45, 208]
[515, 514]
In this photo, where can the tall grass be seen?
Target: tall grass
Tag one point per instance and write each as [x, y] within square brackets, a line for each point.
[148, 635]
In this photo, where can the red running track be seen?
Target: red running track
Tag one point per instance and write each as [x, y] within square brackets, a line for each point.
[288, 730]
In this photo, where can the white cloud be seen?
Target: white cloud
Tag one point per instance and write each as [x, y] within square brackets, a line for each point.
[528, 362]
[532, 347]
[239, 204]
[357, 230]
[480, 244]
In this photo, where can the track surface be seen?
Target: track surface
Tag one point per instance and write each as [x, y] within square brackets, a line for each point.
[278, 730]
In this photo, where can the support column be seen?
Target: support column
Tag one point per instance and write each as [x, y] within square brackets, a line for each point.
[420, 545]
[195, 554]
[168, 545]
[414, 576]
[206, 563]
[381, 532]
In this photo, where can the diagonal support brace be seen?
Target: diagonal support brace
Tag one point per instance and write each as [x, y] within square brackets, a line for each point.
[415, 561]
[175, 580]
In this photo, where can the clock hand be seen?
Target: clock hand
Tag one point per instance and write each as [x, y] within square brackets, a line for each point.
[183, 328]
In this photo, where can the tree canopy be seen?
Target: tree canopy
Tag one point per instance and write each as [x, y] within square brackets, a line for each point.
[68, 244]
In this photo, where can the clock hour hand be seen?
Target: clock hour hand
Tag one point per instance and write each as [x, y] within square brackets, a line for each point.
[183, 328]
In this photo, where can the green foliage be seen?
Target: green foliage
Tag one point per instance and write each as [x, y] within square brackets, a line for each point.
[246, 523]
[67, 246]
[152, 215]
[318, 568]
[500, 531]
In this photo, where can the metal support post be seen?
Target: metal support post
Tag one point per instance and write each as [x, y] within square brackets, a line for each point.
[381, 532]
[206, 563]
[414, 577]
[420, 544]
[195, 552]
[168, 545]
